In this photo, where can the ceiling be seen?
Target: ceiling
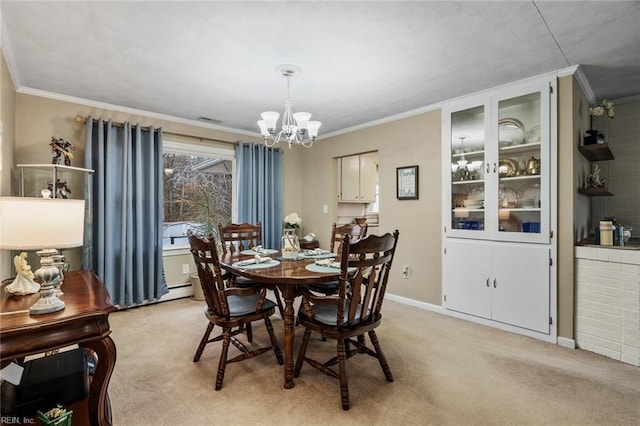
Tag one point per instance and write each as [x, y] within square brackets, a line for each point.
[361, 61]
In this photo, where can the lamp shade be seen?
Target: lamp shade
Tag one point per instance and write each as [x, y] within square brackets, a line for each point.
[39, 223]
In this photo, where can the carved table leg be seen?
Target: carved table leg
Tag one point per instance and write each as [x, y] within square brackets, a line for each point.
[288, 293]
[99, 405]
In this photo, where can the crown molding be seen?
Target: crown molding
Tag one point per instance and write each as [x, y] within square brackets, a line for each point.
[578, 74]
[134, 111]
[384, 120]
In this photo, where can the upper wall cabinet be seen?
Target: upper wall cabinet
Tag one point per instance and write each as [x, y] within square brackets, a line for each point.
[358, 174]
[497, 164]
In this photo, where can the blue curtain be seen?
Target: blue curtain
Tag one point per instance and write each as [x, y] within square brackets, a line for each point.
[260, 190]
[123, 235]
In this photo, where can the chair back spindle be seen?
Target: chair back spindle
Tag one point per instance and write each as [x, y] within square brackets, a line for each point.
[236, 237]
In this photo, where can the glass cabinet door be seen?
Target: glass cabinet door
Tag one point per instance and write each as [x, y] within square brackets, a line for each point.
[467, 158]
[521, 158]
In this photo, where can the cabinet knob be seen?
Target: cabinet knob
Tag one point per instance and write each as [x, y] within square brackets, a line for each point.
[488, 167]
[487, 281]
[494, 283]
[494, 167]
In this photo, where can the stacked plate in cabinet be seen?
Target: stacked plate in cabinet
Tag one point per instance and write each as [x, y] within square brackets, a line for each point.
[510, 132]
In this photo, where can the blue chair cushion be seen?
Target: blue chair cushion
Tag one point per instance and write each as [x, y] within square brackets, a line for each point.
[244, 282]
[328, 314]
[243, 305]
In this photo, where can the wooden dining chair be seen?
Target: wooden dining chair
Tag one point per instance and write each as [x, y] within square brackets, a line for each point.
[355, 232]
[229, 307]
[237, 237]
[354, 311]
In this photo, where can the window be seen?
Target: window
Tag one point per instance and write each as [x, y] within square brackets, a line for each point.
[198, 191]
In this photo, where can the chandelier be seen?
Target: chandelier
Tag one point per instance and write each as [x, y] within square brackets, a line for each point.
[296, 128]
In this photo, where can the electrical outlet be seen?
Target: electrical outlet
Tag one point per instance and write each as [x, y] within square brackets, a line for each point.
[185, 268]
[325, 208]
[405, 271]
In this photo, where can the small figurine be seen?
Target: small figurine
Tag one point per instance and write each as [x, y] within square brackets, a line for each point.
[23, 283]
[62, 189]
[593, 179]
[61, 149]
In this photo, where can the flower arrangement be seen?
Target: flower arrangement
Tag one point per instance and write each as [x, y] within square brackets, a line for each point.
[602, 107]
[292, 220]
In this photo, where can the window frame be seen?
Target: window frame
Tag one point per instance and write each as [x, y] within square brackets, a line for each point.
[186, 148]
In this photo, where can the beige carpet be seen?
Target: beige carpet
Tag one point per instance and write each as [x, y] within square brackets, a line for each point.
[447, 372]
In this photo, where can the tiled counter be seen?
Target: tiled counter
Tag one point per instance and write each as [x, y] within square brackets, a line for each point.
[608, 302]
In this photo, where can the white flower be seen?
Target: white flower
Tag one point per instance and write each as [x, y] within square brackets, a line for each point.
[602, 107]
[293, 220]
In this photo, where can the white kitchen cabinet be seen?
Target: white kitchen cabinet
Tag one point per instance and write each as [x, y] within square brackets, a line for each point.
[358, 174]
[503, 282]
[499, 207]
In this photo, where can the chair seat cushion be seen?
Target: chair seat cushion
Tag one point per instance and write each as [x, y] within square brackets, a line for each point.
[326, 288]
[244, 282]
[328, 314]
[243, 305]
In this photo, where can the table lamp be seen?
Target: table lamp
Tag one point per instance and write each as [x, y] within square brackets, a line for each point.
[45, 225]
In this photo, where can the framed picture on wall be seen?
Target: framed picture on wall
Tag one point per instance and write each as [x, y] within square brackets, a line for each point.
[407, 183]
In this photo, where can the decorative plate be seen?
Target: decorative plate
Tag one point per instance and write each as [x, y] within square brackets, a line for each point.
[507, 168]
[529, 195]
[533, 134]
[510, 132]
[507, 198]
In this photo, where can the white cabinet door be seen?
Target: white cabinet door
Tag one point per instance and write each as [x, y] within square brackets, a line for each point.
[468, 272]
[358, 178]
[520, 286]
[509, 283]
[350, 178]
[368, 176]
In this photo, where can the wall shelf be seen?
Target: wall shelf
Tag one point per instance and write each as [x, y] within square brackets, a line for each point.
[595, 192]
[596, 152]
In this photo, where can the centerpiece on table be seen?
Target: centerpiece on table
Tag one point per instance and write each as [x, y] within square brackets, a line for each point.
[290, 242]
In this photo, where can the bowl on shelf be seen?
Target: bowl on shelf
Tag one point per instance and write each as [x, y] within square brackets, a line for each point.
[472, 203]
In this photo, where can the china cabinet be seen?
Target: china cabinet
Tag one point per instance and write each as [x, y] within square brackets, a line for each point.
[499, 176]
[358, 178]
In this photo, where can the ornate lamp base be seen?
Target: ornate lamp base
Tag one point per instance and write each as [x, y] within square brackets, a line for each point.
[49, 275]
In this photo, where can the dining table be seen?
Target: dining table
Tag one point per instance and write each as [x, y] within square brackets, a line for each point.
[288, 275]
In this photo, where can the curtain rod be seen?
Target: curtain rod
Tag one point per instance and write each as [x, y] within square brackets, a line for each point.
[81, 119]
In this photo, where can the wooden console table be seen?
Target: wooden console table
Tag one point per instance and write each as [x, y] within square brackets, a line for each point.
[84, 321]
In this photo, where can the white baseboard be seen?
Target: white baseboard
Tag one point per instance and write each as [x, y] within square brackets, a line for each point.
[488, 323]
[415, 303]
[566, 342]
